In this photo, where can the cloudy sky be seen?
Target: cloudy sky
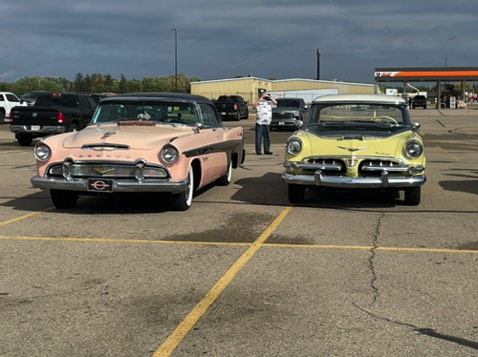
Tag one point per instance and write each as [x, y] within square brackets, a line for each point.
[222, 38]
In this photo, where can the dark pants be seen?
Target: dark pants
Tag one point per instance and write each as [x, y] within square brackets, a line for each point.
[262, 133]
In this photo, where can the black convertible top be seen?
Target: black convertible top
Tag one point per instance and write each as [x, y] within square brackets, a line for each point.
[169, 96]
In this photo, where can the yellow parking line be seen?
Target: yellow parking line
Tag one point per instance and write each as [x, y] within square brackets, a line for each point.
[239, 244]
[365, 247]
[119, 241]
[173, 340]
[25, 216]
[446, 152]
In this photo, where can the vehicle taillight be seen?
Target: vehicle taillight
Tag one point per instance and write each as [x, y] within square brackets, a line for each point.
[60, 117]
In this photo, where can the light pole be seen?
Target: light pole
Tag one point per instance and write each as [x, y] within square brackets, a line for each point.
[175, 59]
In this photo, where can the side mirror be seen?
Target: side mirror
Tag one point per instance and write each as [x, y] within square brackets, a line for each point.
[416, 126]
[198, 127]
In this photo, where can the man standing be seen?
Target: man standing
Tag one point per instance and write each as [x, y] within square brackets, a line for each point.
[263, 109]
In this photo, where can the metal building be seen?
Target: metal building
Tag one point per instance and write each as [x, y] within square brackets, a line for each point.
[249, 87]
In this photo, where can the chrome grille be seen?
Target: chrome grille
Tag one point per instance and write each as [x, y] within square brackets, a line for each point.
[282, 116]
[330, 166]
[376, 167]
[113, 170]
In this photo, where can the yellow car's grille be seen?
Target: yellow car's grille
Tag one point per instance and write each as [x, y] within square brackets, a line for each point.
[375, 167]
[367, 167]
[329, 166]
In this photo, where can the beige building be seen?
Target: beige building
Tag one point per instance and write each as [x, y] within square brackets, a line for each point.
[249, 87]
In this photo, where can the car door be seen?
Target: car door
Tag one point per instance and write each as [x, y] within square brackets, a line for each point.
[217, 155]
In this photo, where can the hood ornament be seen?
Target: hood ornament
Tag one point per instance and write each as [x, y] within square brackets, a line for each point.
[352, 149]
[108, 134]
[103, 170]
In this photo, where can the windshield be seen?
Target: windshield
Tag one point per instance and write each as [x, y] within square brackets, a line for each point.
[284, 103]
[357, 114]
[157, 112]
[31, 95]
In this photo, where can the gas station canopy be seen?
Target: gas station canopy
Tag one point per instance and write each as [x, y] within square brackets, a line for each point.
[426, 74]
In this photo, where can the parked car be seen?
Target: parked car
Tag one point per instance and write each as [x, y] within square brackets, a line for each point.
[8, 101]
[356, 141]
[144, 142]
[232, 106]
[419, 101]
[53, 113]
[289, 113]
[31, 97]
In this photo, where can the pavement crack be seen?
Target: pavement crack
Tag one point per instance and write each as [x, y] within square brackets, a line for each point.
[371, 261]
[423, 331]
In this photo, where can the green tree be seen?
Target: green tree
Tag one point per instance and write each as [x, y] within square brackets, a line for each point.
[123, 85]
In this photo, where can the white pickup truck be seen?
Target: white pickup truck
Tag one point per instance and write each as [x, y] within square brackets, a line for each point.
[7, 102]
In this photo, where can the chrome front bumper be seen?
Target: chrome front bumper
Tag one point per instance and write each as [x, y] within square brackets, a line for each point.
[81, 185]
[385, 180]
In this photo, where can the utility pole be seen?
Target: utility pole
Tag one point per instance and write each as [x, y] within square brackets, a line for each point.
[175, 59]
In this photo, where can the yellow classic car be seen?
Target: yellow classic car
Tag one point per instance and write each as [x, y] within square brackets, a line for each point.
[356, 141]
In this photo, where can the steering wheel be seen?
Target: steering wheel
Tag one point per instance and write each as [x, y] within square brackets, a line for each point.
[174, 120]
[385, 118]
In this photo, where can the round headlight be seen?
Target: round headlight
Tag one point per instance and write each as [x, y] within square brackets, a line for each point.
[170, 154]
[42, 152]
[294, 146]
[413, 149]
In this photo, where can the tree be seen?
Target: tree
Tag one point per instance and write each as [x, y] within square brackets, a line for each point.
[100, 83]
[123, 85]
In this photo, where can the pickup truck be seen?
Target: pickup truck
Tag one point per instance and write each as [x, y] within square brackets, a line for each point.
[289, 113]
[232, 106]
[7, 102]
[52, 114]
[419, 101]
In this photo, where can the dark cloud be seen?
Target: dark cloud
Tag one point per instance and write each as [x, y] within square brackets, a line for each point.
[220, 39]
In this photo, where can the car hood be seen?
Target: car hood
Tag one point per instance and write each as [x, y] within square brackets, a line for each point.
[356, 144]
[285, 109]
[133, 136]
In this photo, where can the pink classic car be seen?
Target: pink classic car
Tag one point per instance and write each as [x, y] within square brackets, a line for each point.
[144, 142]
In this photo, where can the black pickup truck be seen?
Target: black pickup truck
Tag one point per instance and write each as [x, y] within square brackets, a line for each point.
[52, 114]
[232, 106]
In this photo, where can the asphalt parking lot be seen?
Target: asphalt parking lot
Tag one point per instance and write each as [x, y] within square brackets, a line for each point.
[243, 272]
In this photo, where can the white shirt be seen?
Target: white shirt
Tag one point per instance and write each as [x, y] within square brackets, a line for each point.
[264, 112]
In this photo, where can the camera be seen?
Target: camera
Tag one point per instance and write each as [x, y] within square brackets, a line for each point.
[267, 97]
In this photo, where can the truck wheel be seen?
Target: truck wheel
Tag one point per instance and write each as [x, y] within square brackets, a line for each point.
[296, 193]
[64, 199]
[183, 200]
[238, 116]
[24, 139]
